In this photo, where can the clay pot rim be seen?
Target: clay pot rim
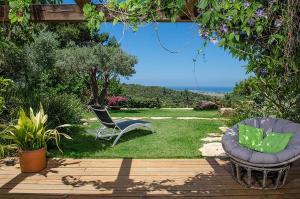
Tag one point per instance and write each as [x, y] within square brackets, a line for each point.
[33, 151]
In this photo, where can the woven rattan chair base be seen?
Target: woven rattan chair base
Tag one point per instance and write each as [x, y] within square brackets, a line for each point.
[259, 177]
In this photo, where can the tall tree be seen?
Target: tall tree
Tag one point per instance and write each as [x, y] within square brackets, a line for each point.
[98, 62]
[118, 63]
[79, 34]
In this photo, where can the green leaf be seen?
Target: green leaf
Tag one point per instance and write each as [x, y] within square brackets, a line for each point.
[66, 136]
[271, 40]
[115, 21]
[101, 14]
[203, 4]
[237, 6]
[231, 36]
[173, 18]
[259, 29]
[248, 31]
[227, 5]
[64, 125]
[215, 4]
[278, 36]
[237, 37]
[122, 5]
[206, 17]
[222, 42]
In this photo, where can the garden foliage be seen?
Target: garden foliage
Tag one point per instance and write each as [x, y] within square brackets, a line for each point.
[30, 132]
[117, 101]
[155, 96]
[265, 33]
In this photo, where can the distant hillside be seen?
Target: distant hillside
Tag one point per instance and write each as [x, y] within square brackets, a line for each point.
[167, 97]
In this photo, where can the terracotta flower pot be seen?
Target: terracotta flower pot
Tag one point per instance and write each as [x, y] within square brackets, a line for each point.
[33, 161]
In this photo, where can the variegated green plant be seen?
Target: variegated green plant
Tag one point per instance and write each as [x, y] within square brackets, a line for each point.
[30, 133]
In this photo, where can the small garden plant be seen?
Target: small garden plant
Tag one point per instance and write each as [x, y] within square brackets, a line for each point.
[30, 132]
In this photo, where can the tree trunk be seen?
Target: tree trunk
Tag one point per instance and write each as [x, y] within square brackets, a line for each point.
[94, 87]
[104, 91]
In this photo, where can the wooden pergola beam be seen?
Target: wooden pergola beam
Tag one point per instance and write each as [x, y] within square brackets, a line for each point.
[67, 13]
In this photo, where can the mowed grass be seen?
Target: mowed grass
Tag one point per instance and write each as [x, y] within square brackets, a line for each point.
[173, 139]
[161, 113]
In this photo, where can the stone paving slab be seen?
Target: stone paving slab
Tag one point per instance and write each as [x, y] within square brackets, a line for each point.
[223, 128]
[199, 118]
[215, 134]
[160, 118]
[213, 149]
[212, 139]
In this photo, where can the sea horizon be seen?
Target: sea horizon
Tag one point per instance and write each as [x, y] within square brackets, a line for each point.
[204, 89]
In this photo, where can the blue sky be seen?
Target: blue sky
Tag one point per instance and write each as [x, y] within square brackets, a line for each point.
[156, 66]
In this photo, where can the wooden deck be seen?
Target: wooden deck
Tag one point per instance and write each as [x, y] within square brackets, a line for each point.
[132, 178]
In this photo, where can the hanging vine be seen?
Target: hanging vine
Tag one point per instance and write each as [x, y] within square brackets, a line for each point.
[265, 33]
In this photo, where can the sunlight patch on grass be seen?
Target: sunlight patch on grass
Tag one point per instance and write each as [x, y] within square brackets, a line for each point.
[172, 139]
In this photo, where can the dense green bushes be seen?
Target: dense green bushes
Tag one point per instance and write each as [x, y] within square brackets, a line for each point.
[60, 108]
[143, 103]
[37, 80]
[5, 84]
[206, 106]
[63, 109]
[249, 100]
[155, 96]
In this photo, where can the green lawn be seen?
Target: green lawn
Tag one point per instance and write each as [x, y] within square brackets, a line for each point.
[173, 138]
[161, 113]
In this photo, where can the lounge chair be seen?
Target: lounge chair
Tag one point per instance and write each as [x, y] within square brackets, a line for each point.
[116, 128]
[250, 167]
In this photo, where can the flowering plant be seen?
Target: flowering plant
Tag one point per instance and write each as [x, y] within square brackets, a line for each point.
[117, 101]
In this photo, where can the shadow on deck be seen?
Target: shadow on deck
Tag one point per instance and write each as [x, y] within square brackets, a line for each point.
[133, 178]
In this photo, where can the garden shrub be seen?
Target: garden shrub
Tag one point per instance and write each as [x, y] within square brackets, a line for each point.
[248, 109]
[117, 101]
[143, 103]
[62, 109]
[5, 84]
[165, 96]
[206, 106]
[10, 102]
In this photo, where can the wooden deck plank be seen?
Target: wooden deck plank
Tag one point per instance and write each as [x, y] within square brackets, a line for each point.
[135, 178]
[30, 196]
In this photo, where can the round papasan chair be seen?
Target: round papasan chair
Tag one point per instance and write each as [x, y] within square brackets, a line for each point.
[262, 170]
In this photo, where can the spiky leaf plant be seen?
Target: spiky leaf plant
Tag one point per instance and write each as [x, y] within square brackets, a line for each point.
[30, 133]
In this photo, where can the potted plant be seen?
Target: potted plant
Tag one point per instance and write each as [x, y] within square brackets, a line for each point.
[30, 136]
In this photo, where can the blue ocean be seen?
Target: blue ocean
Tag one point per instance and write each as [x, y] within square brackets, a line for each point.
[204, 89]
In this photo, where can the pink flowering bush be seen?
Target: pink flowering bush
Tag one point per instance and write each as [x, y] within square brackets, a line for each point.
[117, 101]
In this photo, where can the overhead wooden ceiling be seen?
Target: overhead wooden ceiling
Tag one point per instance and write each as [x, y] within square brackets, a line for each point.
[73, 12]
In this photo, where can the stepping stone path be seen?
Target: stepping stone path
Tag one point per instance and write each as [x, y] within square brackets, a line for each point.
[212, 139]
[223, 128]
[160, 118]
[214, 134]
[213, 149]
[212, 146]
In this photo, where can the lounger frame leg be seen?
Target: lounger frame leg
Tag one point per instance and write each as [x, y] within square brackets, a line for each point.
[130, 128]
[99, 131]
[109, 136]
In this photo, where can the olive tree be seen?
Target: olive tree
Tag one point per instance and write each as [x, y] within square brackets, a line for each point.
[99, 63]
